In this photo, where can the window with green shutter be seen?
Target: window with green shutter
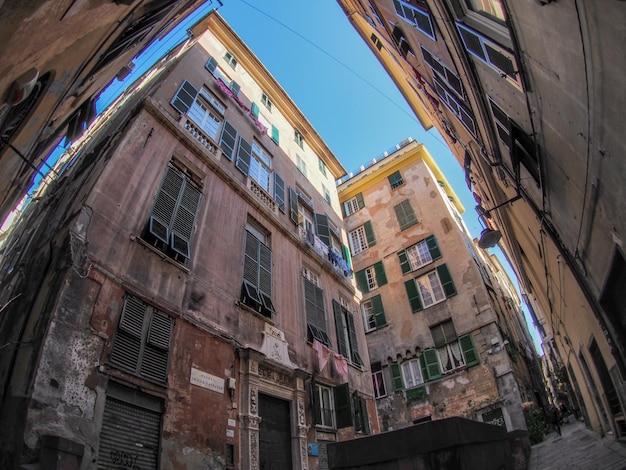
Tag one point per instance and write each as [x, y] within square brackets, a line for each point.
[235, 88]
[452, 353]
[256, 290]
[431, 364]
[369, 234]
[430, 288]
[322, 229]
[346, 334]
[315, 313]
[419, 255]
[469, 351]
[395, 180]
[396, 377]
[142, 341]
[373, 313]
[173, 214]
[324, 406]
[405, 215]
[340, 327]
[446, 281]
[255, 110]
[353, 205]
[371, 277]
[275, 136]
[414, 298]
[343, 406]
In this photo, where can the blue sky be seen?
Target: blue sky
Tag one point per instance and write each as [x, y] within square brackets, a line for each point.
[313, 51]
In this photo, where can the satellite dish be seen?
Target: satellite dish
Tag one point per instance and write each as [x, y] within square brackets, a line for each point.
[489, 238]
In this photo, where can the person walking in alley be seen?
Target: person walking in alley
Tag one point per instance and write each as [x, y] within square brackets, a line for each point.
[554, 418]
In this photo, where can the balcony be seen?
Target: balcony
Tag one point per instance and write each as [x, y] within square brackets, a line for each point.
[200, 136]
[332, 258]
[262, 195]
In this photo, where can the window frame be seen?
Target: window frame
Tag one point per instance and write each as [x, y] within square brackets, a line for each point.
[408, 257]
[362, 237]
[414, 292]
[402, 6]
[231, 60]
[414, 368]
[405, 214]
[378, 381]
[374, 315]
[298, 138]
[395, 180]
[323, 413]
[353, 205]
[257, 276]
[267, 102]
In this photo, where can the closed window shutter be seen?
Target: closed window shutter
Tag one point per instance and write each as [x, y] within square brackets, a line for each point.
[472, 42]
[243, 156]
[321, 228]
[354, 346]
[446, 281]
[363, 423]
[396, 377]
[379, 312]
[165, 203]
[381, 278]
[184, 97]
[275, 136]
[369, 234]
[317, 410]
[293, 205]
[279, 192]
[211, 65]
[255, 109]
[404, 262]
[361, 280]
[265, 276]
[433, 247]
[182, 227]
[431, 363]
[156, 350]
[228, 140]
[343, 210]
[405, 215]
[469, 351]
[359, 200]
[343, 408]
[416, 394]
[234, 87]
[126, 349]
[251, 264]
[414, 298]
[342, 345]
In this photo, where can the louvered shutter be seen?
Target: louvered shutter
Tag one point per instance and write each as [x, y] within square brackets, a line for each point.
[211, 65]
[379, 312]
[361, 280]
[381, 277]
[396, 377]
[321, 228]
[255, 110]
[251, 266]
[164, 207]
[317, 410]
[433, 247]
[244, 155]
[343, 408]
[342, 345]
[405, 215]
[293, 205]
[469, 351]
[354, 346]
[279, 192]
[405, 265]
[446, 280]
[343, 210]
[362, 418]
[359, 200]
[265, 276]
[369, 233]
[275, 134]
[235, 88]
[184, 218]
[431, 363]
[228, 140]
[126, 350]
[156, 351]
[184, 97]
[414, 298]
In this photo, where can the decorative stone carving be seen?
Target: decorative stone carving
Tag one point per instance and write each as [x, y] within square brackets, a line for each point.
[274, 376]
[253, 400]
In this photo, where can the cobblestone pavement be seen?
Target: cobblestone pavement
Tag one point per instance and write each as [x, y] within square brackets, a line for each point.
[577, 448]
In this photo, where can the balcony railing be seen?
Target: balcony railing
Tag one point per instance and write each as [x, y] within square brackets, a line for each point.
[331, 257]
[200, 136]
[263, 196]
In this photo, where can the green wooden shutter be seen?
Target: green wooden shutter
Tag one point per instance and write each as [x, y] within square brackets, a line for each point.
[359, 200]
[342, 345]
[379, 269]
[396, 377]
[255, 110]
[343, 408]
[322, 229]
[317, 410]
[395, 179]
[293, 205]
[369, 233]
[184, 97]
[417, 394]
[345, 251]
[364, 422]
[343, 210]
[379, 312]
[279, 192]
[446, 280]
[243, 156]
[469, 351]
[433, 247]
[414, 298]
[275, 135]
[405, 215]
[354, 346]
[228, 140]
[234, 87]
[211, 65]
[404, 262]
[431, 361]
[361, 280]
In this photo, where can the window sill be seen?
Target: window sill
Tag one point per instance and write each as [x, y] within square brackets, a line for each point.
[243, 306]
[159, 253]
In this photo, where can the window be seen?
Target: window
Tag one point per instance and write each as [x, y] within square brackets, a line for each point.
[260, 166]
[418, 255]
[202, 107]
[492, 9]
[371, 277]
[353, 205]
[301, 165]
[361, 419]
[314, 307]
[400, 39]
[395, 180]
[450, 78]
[142, 341]
[321, 165]
[405, 215]
[230, 60]
[458, 109]
[412, 373]
[377, 42]
[324, 406]
[298, 138]
[362, 238]
[452, 352]
[491, 54]
[429, 289]
[417, 17]
[346, 334]
[326, 194]
[266, 101]
[378, 381]
[173, 214]
[256, 290]
[373, 313]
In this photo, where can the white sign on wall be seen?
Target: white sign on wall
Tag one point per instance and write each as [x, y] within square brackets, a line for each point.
[205, 380]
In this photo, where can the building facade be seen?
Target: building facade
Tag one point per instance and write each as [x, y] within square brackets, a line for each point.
[528, 98]
[182, 296]
[441, 341]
